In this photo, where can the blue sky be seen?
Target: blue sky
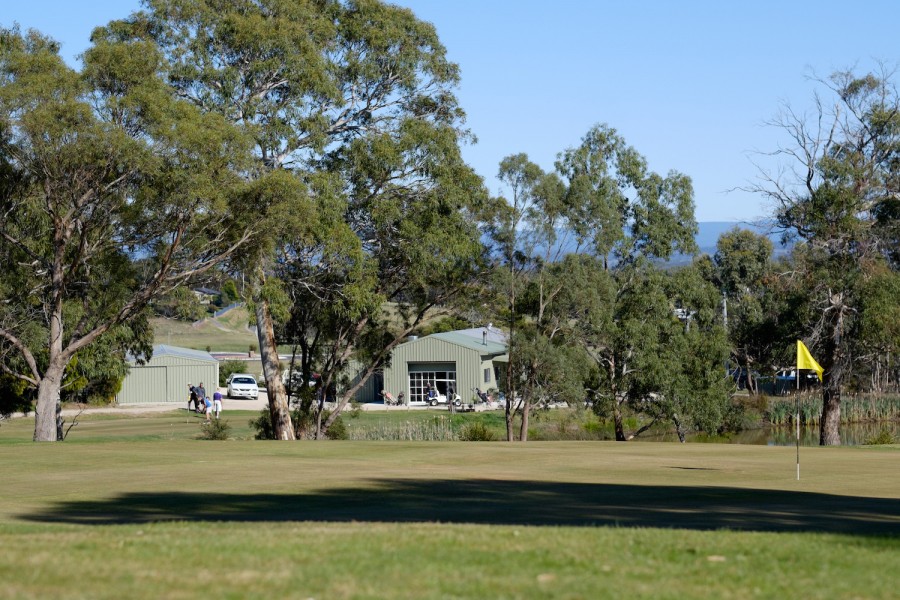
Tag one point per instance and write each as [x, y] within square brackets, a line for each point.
[689, 84]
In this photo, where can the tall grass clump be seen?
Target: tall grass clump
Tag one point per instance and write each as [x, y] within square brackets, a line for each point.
[854, 409]
[438, 429]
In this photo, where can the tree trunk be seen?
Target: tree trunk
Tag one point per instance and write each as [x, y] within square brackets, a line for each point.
[268, 354]
[835, 366]
[509, 418]
[678, 428]
[47, 426]
[523, 428]
[619, 423]
[829, 435]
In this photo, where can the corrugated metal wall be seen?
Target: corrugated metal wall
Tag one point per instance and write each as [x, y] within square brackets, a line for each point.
[371, 390]
[165, 379]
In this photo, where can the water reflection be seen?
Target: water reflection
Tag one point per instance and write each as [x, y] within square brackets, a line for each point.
[853, 434]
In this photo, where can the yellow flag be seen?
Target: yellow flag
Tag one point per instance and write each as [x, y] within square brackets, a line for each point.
[806, 361]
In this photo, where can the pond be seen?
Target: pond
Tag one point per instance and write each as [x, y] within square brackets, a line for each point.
[852, 434]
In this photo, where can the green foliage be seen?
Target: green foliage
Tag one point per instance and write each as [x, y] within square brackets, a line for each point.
[216, 429]
[228, 367]
[15, 396]
[181, 303]
[304, 425]
[601, 322]
[476, 432]
[262, 425]
[883, 437]
[451, 323]
[99, 167]
[337, 430]
[230, 292]
[741, 261]
[839, 202]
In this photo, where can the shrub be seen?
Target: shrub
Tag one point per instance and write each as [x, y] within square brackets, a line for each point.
[228, 367]
[263, 426]
[883, 437]
[217, 429]
[338, 429]
[304, 424]
[476, 432]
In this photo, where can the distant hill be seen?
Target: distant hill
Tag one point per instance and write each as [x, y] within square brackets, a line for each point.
[708, 233]
[229, 331]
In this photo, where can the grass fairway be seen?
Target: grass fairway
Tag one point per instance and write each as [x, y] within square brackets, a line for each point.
[112, 514]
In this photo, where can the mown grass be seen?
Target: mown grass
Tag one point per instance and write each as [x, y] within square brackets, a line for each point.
[176, 517]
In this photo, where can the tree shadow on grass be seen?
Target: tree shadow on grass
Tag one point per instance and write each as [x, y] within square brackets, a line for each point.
[489, 502]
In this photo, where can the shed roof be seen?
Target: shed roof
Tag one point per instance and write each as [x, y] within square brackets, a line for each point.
[467, 341]
[493, 334]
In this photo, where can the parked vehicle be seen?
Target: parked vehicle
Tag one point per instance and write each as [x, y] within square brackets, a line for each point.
[242, 385]
[442, 399]
[786, 380]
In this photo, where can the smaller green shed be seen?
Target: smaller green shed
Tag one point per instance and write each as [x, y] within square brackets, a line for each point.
[165, 377]
[450, 362]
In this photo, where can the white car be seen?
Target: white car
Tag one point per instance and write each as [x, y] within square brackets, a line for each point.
[242, 385]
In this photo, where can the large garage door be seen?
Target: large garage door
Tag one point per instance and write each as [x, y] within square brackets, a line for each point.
[441, 377]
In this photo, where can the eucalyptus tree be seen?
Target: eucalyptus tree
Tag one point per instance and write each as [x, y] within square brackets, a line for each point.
[650, 339]
[112, 193]
[578, 247]
[524, 231]
[742, 269]
[837, 194]
[315, 83]
[402, 245]
[656, 342]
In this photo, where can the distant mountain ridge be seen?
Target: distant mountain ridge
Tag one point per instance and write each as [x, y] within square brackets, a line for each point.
[709, 232]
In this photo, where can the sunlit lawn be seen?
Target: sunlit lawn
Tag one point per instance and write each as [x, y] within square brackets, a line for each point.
[135, 508]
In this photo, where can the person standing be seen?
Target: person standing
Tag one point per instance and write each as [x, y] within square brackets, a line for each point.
[192, 398]
[203, 400]
[217, 403]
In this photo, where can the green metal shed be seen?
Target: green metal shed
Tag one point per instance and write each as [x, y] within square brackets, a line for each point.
[165, 377]
[454, 361]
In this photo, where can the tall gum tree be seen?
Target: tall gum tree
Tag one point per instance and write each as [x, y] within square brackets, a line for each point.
[113, 193]
[610, 215]
[741, 269]
[837, 194]
[524, 231]
[622, 311]
[304, 79]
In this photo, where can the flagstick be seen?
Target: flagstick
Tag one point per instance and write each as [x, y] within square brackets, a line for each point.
[797, 402]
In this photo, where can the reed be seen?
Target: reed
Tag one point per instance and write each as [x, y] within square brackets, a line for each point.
[438, 429]
[855, 408]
